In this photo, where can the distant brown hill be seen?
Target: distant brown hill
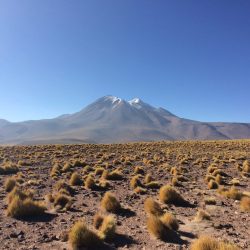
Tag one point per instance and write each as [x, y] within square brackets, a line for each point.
[111, 119]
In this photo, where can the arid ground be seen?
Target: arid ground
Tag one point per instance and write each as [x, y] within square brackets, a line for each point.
[211, 176]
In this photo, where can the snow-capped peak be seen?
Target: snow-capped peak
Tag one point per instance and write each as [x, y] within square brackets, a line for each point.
[113, 99]
[135, 101]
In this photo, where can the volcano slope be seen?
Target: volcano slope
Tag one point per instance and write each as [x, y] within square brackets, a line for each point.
[196, 188]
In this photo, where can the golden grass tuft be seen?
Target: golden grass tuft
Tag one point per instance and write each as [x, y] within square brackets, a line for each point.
[98, 219]
[19, 208]
[9, 184]
[75, 179]
[110, 203]
[169, 195]
[246, 166]
[233, 193]
[8, 168]
[201, 215]
[213, 184]
[135, 182]
[139, 170]
[62, 201]
[80, 236]
[99, 170]
[156, 227]
[170, 221]
[148, 178]
[90, 182]
[209, 243]
[153, 185]
[210, 201]
[107, 228]
[152, 207]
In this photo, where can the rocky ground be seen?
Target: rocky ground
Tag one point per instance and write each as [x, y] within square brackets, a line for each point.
[49, 231]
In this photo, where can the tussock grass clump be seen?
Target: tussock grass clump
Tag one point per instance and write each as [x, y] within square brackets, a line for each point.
[210, 201]
[173, 171]
[56, 170]
[139, 170]
[148, 178]
[80, 236]
[99, 170]
[168, 194]
[170, 221]
[107, 228]
[110, 203]
[61, 186]
[23, 208]
[202, 215]
[153, 185]
[209, 243]
[75, 179]
[8, 168]
[62, 201]
[135, 182]
[246, 166]
[245, 204]
[98, 219]
[157, 228]
[213, 184]
[9, 184]
[67, 167]
[212, 168]
[208, 178]
[220, 172]
[152, 207]
[219, 179]
[90, 182]
[233, 193]
[115, 175]
[175, 182]
[16, 192]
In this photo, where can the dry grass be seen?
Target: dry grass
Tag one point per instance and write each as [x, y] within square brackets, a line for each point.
[80, 236]
[62, 201]
[202, 215]
[170, 221]
[110, 203]
[75, 179]
[213, 184]
[8, 168]
[208, 243]
[148, 178]
[153, 185]
[98, 220]
[156, 227]
[152, 207]
[90, 182]
[210, 201]
[19, 208]
[107, 228]
[9, 184]
[135, 182]
[168, 194]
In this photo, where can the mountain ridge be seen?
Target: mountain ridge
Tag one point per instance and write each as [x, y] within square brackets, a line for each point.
[111, 119]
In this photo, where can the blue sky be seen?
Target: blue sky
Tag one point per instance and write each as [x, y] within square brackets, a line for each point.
[190, 57]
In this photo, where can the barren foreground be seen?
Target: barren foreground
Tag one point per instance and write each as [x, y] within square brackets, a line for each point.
[45, 190]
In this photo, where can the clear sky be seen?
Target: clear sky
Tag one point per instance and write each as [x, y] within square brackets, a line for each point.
[190, 57]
